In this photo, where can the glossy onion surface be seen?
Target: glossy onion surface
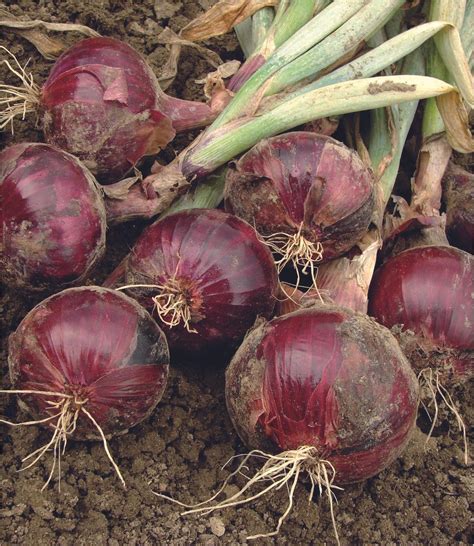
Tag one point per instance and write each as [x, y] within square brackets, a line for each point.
[52, 218]
[99, 346]
[226, 273]
[101, 103]
[430, 291]
[306, 179]
[328, 378]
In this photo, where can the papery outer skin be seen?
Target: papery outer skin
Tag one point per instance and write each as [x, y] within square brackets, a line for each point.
[218, 258]
[303, 177]
[52, 218]
[95, 343]
[328, 378]
[101, 102]
[430, 291]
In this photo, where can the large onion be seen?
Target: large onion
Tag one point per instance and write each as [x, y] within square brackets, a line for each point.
[321, 392]
[205, 275]
[90, 362]
[102, 103]
[327, 378]
[52, 218]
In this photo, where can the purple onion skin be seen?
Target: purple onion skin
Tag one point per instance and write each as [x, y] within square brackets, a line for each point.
[96, 344]
[51, 215]
[459, 197]
[101, 102]
[227, 273]
[430, 291]
[328, 378]
[302, 177]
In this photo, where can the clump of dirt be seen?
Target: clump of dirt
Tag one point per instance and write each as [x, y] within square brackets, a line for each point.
[424, 497]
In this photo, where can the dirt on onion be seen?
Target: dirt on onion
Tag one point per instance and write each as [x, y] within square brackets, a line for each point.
[422, 497]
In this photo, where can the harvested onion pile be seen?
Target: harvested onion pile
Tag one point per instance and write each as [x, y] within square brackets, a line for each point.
[318, 391]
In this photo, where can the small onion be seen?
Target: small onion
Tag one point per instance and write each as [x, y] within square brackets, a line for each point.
[205, 274]
[321, 392]
[430, 291]
[52, 218]
[98, 358]
[102, 103]
[310, 196]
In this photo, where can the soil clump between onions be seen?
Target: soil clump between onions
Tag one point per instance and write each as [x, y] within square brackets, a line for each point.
[423, 497]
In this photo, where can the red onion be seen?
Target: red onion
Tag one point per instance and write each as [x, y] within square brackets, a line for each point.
[310, 196]
[323, 392]
[205, 274]
[97, 356]
[459, 198]
[52, 217]
[430, 291]
[102, 103]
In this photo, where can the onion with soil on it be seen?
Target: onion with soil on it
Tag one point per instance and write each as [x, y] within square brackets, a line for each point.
[323, 393]
[428, 292]
[89, 363]
[309, 197]
[52, 218]
[102, 103]
[205, 275]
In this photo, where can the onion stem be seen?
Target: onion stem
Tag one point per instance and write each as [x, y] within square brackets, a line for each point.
[310, 34]
[449, 44]
[218, 147]
[338, 44]
[377, 59]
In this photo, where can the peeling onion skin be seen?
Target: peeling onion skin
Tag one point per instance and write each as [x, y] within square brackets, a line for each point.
[97, 344]
[52, 218]
[101, 102]
[430, 291]
[229, 274]
[328, 378]
[302, 177]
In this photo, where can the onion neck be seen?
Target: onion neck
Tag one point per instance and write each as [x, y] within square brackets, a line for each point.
[186, 114]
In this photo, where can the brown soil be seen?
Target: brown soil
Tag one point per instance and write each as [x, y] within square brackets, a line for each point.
[424, 497]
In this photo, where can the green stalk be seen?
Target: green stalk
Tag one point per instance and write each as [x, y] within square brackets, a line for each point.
[261, 24]
[467, 29]
[218, 147]
[357, 29]
[449, 44]
[310, 34]
[206, 195]
[297, 15]
[380, 141]
[289, 18]
[432, 123]
[467, 34]
[244, 32]
[377, 59]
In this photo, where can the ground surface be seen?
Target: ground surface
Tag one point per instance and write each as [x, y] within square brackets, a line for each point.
[423, 497]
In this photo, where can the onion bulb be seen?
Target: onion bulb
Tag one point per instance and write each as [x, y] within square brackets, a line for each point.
[205, 275]
[52, 218]
[90, 363]
[310, 197]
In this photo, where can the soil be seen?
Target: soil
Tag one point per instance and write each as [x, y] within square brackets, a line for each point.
[424, 497]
